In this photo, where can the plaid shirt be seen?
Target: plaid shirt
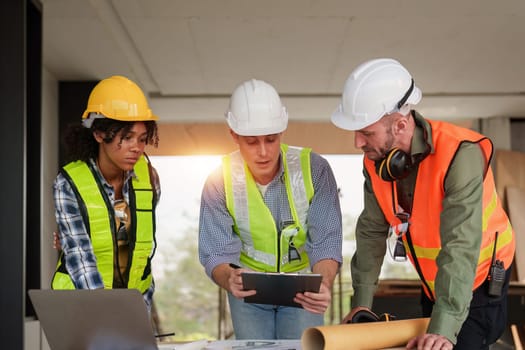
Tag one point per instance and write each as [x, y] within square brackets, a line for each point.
[81, 262]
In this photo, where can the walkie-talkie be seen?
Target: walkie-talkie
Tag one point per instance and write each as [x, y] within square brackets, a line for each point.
[496, 273]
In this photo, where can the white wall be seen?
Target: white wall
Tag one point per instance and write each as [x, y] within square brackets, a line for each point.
[498, 130]
[50, 144]
[34, 338]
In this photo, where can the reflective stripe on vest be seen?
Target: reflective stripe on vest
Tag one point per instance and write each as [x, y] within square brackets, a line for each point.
[140, 271]
[263, 248]
[425, 216]
[100, 224]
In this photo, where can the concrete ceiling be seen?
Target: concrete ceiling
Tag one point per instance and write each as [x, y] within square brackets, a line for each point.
[188, 55]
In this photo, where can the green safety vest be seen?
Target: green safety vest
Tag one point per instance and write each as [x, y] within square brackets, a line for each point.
[98, 214]
[264, 248]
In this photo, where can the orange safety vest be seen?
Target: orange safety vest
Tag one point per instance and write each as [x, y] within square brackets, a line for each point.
[425, 217]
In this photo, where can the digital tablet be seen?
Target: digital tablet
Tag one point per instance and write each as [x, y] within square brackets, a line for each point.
[279, 288]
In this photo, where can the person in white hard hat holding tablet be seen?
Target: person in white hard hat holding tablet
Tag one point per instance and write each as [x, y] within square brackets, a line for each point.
[270, 207]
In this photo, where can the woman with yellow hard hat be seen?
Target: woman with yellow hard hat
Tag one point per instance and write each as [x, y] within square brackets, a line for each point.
[105, 197]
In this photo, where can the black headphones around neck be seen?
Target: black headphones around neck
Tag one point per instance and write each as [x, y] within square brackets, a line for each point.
[396, 165]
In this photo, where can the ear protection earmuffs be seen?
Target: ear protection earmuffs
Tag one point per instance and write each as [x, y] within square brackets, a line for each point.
[394, 166]
[363, 316]
[397, 164]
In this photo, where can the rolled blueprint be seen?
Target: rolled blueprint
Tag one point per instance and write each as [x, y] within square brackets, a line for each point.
[363, 336]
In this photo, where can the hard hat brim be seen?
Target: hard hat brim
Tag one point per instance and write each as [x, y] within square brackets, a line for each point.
[257, 132]
[343, 121]
[88, 117]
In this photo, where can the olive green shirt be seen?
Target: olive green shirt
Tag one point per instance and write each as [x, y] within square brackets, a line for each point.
[460, 231]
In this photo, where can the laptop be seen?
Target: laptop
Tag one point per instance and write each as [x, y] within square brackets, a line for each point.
[101, 319]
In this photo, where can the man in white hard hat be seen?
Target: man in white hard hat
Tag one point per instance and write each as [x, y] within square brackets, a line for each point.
[429, 195]
[270, 207]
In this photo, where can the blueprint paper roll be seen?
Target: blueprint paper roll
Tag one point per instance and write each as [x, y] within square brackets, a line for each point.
[363, 336]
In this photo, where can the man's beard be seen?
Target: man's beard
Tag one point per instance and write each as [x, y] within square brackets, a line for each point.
[382, 151]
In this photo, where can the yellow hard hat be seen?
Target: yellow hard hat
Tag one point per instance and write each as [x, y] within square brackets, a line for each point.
[118, 98]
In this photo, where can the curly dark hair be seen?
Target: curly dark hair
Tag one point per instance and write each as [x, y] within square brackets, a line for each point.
[80, 144]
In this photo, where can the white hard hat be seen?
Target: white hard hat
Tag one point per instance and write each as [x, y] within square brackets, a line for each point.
[375, 88]
[255, 109]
